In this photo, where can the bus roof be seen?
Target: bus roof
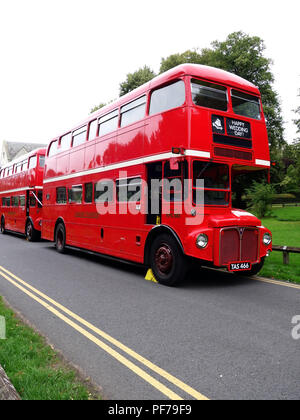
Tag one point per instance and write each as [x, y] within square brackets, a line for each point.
[197, 70]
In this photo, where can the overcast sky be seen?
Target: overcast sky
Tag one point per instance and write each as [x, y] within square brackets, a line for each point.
[59, 58]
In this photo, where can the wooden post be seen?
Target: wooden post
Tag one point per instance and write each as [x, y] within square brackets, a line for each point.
[286, 256]
[7, 391]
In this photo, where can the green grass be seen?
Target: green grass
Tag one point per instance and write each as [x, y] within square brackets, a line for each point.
[34, 368]
[285, 228]
[286, 213]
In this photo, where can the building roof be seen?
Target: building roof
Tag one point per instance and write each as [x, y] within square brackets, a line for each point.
[13, 148]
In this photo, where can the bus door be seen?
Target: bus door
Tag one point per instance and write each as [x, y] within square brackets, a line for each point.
[175, 172]
[21, 217]
[154, 178]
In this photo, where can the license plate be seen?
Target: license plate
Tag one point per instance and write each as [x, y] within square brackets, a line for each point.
[240, 266]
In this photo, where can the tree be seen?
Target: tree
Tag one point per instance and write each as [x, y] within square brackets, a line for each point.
[136, 79]
[96, 107]
[260, 198]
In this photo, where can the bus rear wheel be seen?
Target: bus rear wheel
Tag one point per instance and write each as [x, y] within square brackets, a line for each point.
[31, 233]
[2, 228]
[60, 238]
[167, 261]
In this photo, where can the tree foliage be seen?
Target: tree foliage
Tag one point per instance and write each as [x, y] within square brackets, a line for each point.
[136, 79]
[96, 107]
[259, 197]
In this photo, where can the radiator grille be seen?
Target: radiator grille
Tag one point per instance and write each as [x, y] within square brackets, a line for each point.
[238, 245]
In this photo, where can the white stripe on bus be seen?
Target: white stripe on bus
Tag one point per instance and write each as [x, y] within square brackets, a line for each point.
[133, 162]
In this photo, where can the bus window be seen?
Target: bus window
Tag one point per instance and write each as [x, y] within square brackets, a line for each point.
[22, 201]
[40, 197]
[24, 165]
[75, 194]
[209, 95]
[245, 104]
[52, 149]
[32, 162]
[61, 195]
[129, 190]
[41, 161]
[6, 202]
[134, 111]
[174, 191]
[93, 129]
[79, 136]
[10, 170]
[216, 182]
[65, 142]
[88, 192]
[32, 201]
[167, 97]
[104, 191]
[15, 201]
[19, 168]
[108, 123]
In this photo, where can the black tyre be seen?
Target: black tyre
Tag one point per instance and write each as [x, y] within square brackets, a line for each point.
[60, 238]
[167, 261]
[254, 270]
[2, 227]
[31, 233]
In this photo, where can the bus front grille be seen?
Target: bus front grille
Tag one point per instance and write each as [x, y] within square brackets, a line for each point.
[238, 244]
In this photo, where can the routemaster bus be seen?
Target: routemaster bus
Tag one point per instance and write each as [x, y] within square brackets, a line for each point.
[21, 194]
[107, 180]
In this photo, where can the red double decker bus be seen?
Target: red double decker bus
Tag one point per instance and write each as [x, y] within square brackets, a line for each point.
[149, 177]
[21, 194]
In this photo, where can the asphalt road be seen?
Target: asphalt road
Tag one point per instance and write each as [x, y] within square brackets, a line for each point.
[218, 336]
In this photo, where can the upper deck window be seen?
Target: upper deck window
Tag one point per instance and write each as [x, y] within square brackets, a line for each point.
[245, 104]
[79, 136]
[209, 95]
[32, 162]
[10, 170]
[108, 123]
[24, 165]
[134, 111]
[93, 129]
[53, 148]
[167, 97]
[42, 161]
[65, 142]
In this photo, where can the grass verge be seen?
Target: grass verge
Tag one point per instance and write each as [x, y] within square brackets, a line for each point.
[34, 368]
[285, 228]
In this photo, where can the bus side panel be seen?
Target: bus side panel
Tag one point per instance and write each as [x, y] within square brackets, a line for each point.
[166, 130]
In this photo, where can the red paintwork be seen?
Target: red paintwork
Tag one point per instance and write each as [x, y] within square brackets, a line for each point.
[24, 182]
[188, 126]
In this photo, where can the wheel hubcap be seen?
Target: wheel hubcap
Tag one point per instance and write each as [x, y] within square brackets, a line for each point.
[164, 259]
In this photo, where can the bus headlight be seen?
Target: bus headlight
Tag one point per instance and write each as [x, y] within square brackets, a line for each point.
[202, 241]
[267, 239]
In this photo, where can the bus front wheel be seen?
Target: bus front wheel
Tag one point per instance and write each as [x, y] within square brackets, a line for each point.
[167, 261]
[60, 238]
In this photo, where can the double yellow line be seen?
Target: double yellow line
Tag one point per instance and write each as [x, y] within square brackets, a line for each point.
[59, 310]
